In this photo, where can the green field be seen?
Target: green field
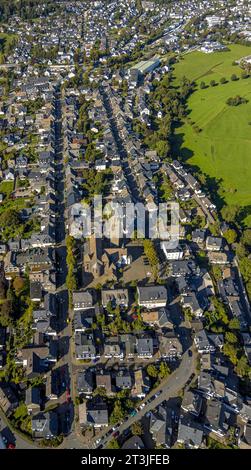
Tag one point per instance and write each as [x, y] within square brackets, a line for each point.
[222, 150]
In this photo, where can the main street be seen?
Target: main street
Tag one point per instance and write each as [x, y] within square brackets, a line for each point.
[64, 329]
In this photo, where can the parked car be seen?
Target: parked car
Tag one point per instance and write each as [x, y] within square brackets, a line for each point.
[237, 432]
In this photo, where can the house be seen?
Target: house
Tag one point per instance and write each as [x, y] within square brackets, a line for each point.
[170, 346]
[33, 400]
[45, 425]
[202, 343]
[205, 383]
[95, 413]
[152, 296]
[85, 346]
[171, 253]
[134, 442]
[191, 402]
[8, 399]
[141, 384]
[216, 257]
[123, 380]
[115, 297]
[35, 291]
[83, 319]
[190, 433]
[216, 340]
[161, 426]
[82, 300]
[213, 243]
[184, 268]
[160, 318]
[42, 322]
[104, 380]
[218, 417]
[144, 347]
[52, 385]
[112, 348]
[85, 383]
[128, 342]
[198, 236]
[34, 360]
[190, 301]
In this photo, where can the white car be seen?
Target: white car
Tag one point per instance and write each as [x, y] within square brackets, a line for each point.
[142, 406]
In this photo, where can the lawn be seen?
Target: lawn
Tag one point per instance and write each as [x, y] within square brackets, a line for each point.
[6, 187]
[222, 150]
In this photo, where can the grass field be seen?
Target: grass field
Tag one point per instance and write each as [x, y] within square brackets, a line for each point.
[222, 150]
[6, 187]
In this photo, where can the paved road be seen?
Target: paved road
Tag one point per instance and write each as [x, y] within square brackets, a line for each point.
[169, 388]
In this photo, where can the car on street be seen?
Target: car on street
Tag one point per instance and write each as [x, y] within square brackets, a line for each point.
[115, 434]
[190, 353]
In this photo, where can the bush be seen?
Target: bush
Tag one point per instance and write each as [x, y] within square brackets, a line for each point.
[236, 101]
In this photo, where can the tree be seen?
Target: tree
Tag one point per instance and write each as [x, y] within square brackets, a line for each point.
[246, 237]
[244, 75]
[234, 77]
[9, 222]
[152, 256]
[118, 413]
[214, 229]
[230, 236]
[152, 371]
[230, 213]
[136, 429]
[223, 81]
[202, 85]
[230, 351]
[213, 83]
[164, 370]
[245, 268]
[234, 324]
[216, 270]
[240, 250]
[218, 317]
[231, 337]
[113, 444]
[18, 284]
[100, 391]
[242, 367]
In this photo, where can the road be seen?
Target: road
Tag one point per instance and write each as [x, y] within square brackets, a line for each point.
[170, 387]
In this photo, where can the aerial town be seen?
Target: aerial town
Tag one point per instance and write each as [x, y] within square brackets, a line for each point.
[125, 341]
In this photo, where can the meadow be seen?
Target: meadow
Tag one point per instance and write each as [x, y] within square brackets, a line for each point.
[216, 138]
